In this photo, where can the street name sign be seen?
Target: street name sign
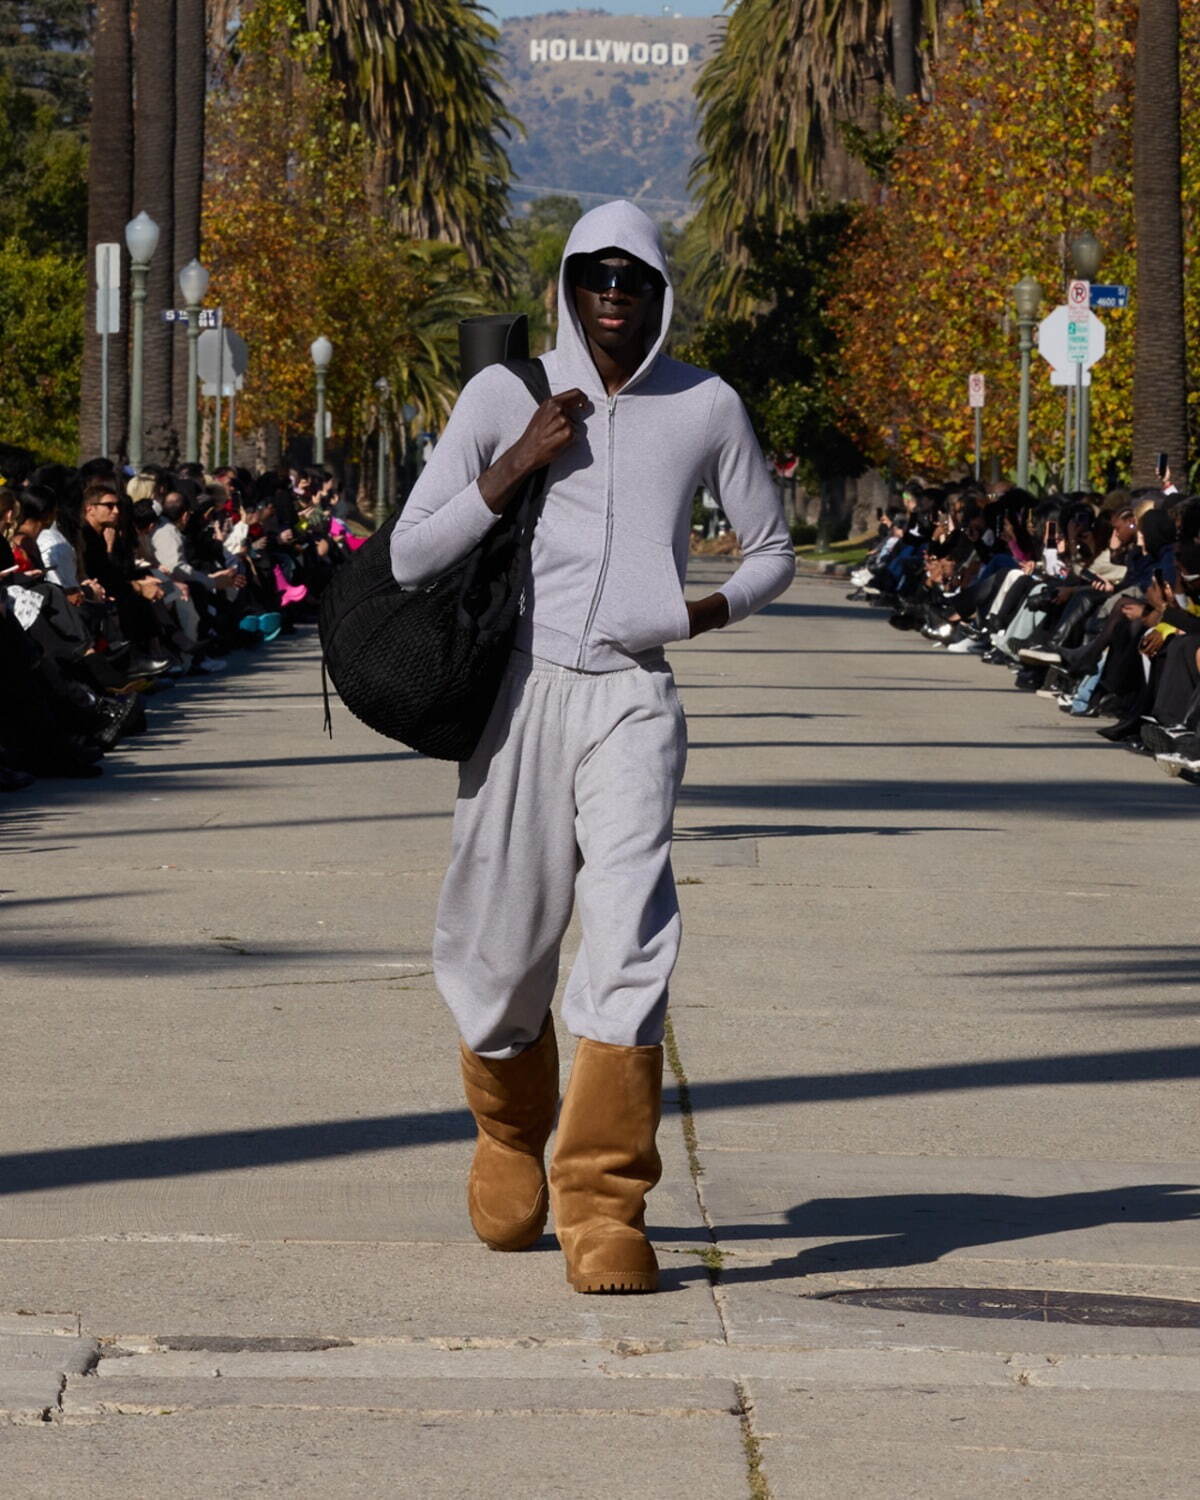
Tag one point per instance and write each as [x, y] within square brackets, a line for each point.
[1113, 297]
[976, 389]
[210, 317]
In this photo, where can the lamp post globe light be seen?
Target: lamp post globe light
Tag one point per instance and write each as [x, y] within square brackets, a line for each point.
[193, 283]
[141, 240]
[322, 353]
[1027, 298]
[1085, 255]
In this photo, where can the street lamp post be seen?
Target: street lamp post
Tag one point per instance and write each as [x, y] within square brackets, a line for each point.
[322, 353]
[1085, 258]
[141, 240]
[384, 390]
[1027, 297]
[193, 283]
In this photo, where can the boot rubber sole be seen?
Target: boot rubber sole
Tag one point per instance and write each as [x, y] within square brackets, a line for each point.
[619, 1282]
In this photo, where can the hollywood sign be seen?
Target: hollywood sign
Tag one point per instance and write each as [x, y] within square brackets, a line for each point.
[558, 49]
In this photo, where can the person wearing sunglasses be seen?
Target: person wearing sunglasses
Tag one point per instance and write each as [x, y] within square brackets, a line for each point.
[570, 797]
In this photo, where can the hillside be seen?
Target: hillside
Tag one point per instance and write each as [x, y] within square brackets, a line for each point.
[608, 104]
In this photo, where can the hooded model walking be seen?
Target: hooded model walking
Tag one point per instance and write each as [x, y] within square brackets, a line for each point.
[571, 794]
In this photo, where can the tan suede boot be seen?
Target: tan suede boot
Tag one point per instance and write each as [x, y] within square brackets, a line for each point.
[605, 1162]
[513, 1100]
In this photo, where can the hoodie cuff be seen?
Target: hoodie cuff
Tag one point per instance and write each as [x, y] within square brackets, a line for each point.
[740, 604]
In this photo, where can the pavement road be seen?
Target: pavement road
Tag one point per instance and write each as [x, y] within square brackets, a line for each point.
[935, 1026]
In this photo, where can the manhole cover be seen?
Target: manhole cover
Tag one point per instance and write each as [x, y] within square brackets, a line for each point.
[1028, 1306]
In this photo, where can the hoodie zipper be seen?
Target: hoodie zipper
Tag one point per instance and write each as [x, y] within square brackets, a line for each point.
[608, 531]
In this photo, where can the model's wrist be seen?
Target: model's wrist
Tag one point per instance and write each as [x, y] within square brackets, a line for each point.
[501, 482]
[709, 613]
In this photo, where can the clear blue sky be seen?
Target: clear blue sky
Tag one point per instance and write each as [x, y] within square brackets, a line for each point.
[506, 8]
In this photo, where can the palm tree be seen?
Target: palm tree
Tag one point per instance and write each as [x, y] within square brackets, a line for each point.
[787, 74]
[421, 76]
[110, 179]
[904, 48]
[154, 191]
[191, 43]
[1160, 353]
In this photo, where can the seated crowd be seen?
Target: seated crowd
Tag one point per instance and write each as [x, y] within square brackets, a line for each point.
[110, 587]
[1092, 601]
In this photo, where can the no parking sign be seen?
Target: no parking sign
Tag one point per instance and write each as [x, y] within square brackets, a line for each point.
[976, 389]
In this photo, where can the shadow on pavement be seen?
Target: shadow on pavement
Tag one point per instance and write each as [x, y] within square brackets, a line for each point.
[910, 1229]
[1132, 965]
[806, 830]
[1061, 799]
[236, 1150]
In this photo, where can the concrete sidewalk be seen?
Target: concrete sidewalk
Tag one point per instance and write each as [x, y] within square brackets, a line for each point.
[934, 1027]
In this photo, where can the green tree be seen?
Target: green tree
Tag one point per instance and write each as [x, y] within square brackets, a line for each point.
[43, 186]
[422, 78]
[295, 246]
[44, 51]
[782, 358]
[787, 75]
[538, 240]
[43, 174]
[41, 297]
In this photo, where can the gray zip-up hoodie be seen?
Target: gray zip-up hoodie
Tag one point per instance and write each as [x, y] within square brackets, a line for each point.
[610, 548]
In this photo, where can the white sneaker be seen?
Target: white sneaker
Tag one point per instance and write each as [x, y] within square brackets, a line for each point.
[967, 647]
[1175, 762]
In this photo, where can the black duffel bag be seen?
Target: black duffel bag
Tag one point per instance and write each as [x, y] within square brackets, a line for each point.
[424, 665]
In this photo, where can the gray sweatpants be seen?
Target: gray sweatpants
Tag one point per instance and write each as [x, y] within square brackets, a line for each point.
[570, 795]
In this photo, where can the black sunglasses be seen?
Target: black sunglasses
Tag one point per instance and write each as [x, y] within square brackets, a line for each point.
[595, 276]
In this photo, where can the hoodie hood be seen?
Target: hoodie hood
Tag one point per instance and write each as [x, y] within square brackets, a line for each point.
[619, 225]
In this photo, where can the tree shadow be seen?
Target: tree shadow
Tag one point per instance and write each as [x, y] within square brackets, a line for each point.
[1058, 798]
[240, 1150]
[729, 831]
[889, 1230]
[1091, 967]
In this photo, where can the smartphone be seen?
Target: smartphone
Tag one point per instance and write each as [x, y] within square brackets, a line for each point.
[1052, 534]
[1161, 466]
[1160, 580]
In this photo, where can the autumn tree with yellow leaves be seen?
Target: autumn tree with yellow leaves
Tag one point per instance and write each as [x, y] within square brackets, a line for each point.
[296, 249]
[1028, 140]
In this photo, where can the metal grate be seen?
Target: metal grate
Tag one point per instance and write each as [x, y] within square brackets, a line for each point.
[1108, 1308]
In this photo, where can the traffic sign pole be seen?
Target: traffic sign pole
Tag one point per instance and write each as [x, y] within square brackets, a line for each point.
[108, 321]
[1079, 304]
[976, 396]
[217, 422]
[104, 295]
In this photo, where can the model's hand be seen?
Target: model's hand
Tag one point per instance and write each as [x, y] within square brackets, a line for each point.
[709, 613]
[551, 430]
